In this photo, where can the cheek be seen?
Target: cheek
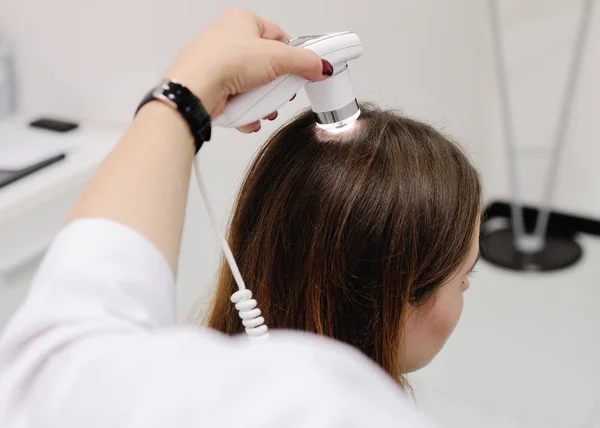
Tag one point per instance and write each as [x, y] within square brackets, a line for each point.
[444, 316]
[429, 327]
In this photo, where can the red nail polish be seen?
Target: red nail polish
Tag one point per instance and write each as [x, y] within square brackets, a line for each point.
[292, 99]
[327, 68]
[273, 116]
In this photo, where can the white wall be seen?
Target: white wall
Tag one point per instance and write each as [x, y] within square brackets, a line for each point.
[94, 60]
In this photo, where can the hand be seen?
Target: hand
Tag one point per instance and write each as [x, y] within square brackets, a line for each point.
[240, 51]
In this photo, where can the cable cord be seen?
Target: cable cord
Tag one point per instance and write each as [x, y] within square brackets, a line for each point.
[256, 329]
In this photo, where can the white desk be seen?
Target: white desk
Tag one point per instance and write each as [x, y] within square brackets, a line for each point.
[34, 208]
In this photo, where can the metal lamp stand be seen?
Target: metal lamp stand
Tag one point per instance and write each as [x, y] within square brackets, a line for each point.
[516, 247]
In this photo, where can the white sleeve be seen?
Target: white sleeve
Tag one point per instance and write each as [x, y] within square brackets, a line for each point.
[100, 282]
[94, 345]
[98, 269]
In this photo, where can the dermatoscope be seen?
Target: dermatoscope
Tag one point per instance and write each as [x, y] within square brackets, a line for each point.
[335, 110]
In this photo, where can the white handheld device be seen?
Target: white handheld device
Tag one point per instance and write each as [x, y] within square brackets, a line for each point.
[332, 100]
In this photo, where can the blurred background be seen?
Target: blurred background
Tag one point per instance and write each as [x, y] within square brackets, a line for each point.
[527, 349]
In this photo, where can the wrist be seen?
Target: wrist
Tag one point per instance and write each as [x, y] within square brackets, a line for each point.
[205, 86]
[181, 99]
[156, 112]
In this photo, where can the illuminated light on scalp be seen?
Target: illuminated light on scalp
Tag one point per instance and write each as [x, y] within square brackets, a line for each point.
[341, 126]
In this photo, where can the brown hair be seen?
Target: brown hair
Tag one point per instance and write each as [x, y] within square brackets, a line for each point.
[338, 234]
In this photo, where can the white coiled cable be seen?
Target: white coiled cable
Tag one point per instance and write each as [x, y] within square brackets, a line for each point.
[246, 306]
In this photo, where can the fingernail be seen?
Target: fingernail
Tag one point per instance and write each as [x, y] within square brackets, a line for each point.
[272, 116]
[327, 68]
[292, 99]
[257, 129]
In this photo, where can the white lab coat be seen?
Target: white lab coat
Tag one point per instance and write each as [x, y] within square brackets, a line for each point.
[95, 345]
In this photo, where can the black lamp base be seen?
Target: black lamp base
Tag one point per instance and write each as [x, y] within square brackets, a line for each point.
[497, 247]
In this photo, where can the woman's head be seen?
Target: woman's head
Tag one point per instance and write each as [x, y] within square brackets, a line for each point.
[366, 236]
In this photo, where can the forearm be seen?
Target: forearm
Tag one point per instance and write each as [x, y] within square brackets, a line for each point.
[144, 182]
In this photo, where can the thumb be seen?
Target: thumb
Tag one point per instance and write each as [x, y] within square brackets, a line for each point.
[301, 62]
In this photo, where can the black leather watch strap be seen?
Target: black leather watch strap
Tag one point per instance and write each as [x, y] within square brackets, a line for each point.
[187, 104]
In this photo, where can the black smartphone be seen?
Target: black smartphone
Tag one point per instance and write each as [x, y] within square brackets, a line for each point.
[53, 124]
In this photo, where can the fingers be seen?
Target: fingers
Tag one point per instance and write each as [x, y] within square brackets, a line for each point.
[266, 29]
[255, 126]
[250, 128]
[272, 31]
[302, 62]
[272, 116]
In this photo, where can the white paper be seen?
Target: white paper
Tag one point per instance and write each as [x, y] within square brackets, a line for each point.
[22, 146]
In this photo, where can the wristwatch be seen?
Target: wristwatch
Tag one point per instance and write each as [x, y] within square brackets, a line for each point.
[187, 104]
